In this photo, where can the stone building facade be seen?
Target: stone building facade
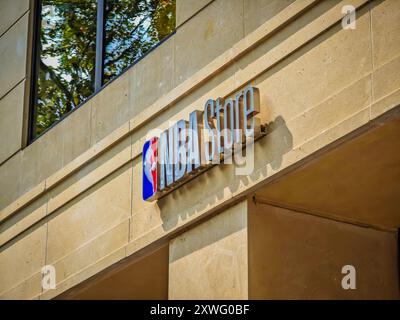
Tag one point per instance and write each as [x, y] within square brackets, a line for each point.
[323, 194]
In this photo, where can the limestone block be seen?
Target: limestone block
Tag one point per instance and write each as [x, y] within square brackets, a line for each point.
[84, 274]
[210, 260]
[90, 215]
[299, 256]
[28, 289]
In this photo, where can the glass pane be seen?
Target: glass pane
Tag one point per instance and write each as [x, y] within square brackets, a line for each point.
[66, 65]
[132, 28]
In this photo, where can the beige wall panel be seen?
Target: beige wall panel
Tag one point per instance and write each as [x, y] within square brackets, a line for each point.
[88, 176]
[207, 35]
[11, 116]
[290, 92]
[90, 215]
[306, 94]
[330, 135]
[288, 33]
[76, 132]
[23, 258]
[22, 220]
[137, 201]
[145, 215]
[85, 274]
[28, 289]
[93, 251]
[221, 183]
[110, 107]
[210, 189]
[10, 180]
[331, 112]
[385, 31]
[10, 12]
[42, 158]
[317, 71]
[218, 85]
[114, 99]
[146, 278]
[145, 220]
[13, 46]
[210, 260]
[54, 149]
[152, 77]
[187, 8]
[362, 175]
[256, 12]
[386, 79]
[299, 256]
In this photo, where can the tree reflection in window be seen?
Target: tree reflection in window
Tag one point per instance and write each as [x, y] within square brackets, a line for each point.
[67, 48]
[132, 28]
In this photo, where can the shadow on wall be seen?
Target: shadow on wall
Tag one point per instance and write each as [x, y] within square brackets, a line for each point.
[219, 183]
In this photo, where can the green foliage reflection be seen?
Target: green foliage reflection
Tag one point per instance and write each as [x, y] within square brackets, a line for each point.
[67, 48]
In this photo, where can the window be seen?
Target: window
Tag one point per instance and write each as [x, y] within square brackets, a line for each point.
[82, 45]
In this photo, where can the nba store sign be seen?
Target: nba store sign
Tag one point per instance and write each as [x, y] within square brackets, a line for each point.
[222, 130]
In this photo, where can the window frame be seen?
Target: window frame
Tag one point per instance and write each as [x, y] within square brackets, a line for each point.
[99, 60]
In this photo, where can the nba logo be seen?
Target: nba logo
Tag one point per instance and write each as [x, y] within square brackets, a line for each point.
[150, 169]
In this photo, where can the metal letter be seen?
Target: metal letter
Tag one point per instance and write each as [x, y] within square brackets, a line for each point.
[194, 141]
[180, 137]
